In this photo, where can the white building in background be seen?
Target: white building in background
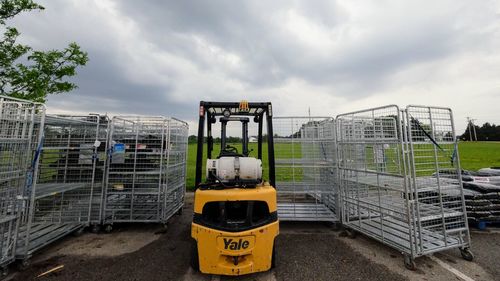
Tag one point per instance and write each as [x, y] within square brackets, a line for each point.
[252, 139]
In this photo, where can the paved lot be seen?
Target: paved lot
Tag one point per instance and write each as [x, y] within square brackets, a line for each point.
[306, 251]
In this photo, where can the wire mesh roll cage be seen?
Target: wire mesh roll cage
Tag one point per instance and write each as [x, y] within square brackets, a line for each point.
[52, 174]
[17, 127]
[444, 191]
[306, 168]
[142, 153]
[398, 175]
[64, 166]
[390, 166]
[176, 168]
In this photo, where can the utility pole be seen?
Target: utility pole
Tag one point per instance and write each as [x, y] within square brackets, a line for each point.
[474, 127]
[468, 128]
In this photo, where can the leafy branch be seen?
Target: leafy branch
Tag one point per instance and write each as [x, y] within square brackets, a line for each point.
[31, 74]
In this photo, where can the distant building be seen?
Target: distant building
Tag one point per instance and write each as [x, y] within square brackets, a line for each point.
[252, 139]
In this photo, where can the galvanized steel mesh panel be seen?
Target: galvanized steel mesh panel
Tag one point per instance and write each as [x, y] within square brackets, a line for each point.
[438, 196]
[372, 175]
[100, 171]
[305, 168]
[17, 119]
[390, 186]
[176, 168]
[146, 170]
[67, 172]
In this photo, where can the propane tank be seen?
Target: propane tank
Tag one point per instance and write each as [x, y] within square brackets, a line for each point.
[229, 169]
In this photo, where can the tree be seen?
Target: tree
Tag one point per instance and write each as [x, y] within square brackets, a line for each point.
[31, 74]
[192, 139]
[487, 132]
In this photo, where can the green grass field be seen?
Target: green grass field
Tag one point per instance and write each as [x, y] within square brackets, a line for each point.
[476, 155]
[473, 156]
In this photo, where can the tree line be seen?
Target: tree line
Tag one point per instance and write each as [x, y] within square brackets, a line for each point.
[486, 132]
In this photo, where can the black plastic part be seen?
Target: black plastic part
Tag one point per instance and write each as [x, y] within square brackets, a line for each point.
[244, 133]
[199, 149]
[210, 139]
[195, 260]
[198, 219]
[259, 138]
[270, 150]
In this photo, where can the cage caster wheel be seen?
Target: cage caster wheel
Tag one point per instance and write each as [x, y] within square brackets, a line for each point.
[4, 272]
[334, 226]
[351, 233]
[467, 254]
[179, 212]
[108, 228]
[78, 232]
[23, 265]
[410, 263]
[95, 228]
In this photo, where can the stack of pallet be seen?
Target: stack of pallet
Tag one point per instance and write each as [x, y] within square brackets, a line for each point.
[482, 197]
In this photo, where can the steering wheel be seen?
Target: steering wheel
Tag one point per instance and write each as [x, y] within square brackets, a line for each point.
[230, 148]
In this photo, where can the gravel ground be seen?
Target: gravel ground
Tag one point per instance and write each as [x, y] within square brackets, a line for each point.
[306, 251]
[167, 258]
[326, 258]
[486, 249]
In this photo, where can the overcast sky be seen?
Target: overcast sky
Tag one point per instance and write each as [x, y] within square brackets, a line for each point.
[163, 57]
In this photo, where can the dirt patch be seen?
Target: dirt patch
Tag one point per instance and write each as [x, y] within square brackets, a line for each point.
[126, 239]
[125, 255]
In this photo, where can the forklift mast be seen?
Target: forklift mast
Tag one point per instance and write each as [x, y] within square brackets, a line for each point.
[234, 111]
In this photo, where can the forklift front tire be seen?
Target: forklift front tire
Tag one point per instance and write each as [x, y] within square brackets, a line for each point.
[195, 261]
[273, 256]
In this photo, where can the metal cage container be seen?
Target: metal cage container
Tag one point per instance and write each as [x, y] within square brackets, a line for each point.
[398, 176]
[146, 173]
[306, 168]
[96, 207]
[66, 172]
[17, 128]
[176, 168]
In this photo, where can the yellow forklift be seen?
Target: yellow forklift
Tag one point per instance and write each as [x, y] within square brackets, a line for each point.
[235, 221]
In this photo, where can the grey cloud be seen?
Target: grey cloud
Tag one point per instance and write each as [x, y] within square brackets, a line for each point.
[270, 55]
[104, 88]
